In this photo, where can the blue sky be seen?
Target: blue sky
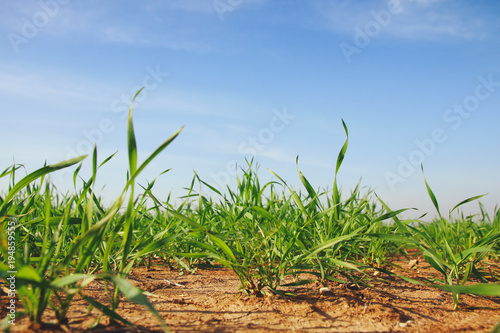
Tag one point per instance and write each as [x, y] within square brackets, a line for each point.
[416, 81]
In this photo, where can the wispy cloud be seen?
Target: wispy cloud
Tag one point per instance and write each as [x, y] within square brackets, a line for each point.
[53, 88]
[138, 29]
[52, 18]
[278, 155]
[119, 33]
[414, 19]
[182, 5]
[436, 19]
[197, 6]
[97, 21]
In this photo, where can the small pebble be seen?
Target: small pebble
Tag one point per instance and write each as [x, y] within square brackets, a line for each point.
[325, 290]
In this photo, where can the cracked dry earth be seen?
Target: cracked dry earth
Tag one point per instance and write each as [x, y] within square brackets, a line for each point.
[210, 301]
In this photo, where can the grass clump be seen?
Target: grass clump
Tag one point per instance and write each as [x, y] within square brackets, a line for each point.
[268, 234]
[59, 248]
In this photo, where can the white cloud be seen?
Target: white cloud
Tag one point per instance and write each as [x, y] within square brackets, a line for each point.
[54, 89]
[183, 5]
[197, 6]
[414, 19]
[98, 21]
[48, 17]
[121, 34]
[12, 12]
[277, 155]
[431, 19]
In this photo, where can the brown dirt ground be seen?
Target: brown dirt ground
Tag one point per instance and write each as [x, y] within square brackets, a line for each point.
[211, 301]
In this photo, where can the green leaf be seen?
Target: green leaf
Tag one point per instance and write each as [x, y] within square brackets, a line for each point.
[464, 254]
[436, 262]
[28, 274]
[69, 279]
[223, 246]
[264, 213]
[299, 283]
[35, 175]
[295, 197]
[390, 215]
[407, 279]
[107, 311]
[328, 243]
[431, 194]
[154, 154]
[482, 289]
[186, 219]
[135, 295]
[107, 159]
[310, 190]
[75, 174]
[132, 145]
[54, 220]
[342, 152]
[466, 201]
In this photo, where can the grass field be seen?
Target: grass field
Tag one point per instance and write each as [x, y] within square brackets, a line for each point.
[58, 244]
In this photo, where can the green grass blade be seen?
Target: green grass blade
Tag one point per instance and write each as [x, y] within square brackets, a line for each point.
[135, 295]
[186, 219]
[264, 213]
[431, 194]
[223, 246]
[26, 273]
[208, 185]
[107, 311]
[154, 154]
[94, 165]
[395, 217]
[69, 279]
[482, 289]
[132, 145]
[436, 261]
[75, 174]
[388, 272]
[340, 159]
[464, 254]
[466, 201]
[342, 152]
[295, 197]
[310, 190]
[327, 244]
[35, 175]
[83, 240]
[389, 215]
[107, 159]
